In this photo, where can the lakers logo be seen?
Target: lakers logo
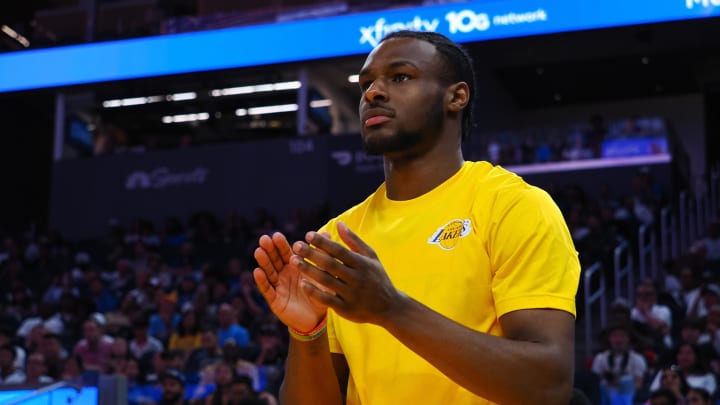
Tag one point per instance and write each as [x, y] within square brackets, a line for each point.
[448, 235]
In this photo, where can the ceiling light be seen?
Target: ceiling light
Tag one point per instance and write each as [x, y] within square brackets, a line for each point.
[15, 35]
[172, 119]
[124, 102]
[189, 95]
[256, 88]
[353, 78]
[320, 103]
[273, 109]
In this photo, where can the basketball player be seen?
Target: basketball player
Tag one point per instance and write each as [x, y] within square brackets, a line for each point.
[454, 283]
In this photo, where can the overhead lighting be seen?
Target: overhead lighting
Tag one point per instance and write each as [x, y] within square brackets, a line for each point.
[320, 103]
[354, 78]
[189, 95]
[269, 109]
[280, 108]
[15, 35]
[125, 102]
[273, 109]
[257, 88]
[173, 119]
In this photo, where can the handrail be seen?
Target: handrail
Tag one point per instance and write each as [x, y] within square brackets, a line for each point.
[668, 237]
[623, 272]
[683, 221]
[44, 390]
[646, 250]
[590, 298]
[714, 190]
[702, 208]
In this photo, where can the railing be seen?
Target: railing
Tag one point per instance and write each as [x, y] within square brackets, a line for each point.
[714, 190]
[647, 250]
[683, 221]
[591, 297]
[669, 243]
[48, 389]
[702, 208]
[624, 272]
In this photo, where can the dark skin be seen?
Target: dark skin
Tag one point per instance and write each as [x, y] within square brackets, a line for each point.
[531, 363]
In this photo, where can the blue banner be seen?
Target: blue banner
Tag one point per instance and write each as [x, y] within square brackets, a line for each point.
[629, 147]
[327, 37]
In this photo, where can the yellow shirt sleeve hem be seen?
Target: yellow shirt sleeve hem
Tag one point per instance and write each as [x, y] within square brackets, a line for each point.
[536, 302]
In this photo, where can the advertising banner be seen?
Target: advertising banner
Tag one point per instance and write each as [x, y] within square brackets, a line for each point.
[328, 37]
[89, 194]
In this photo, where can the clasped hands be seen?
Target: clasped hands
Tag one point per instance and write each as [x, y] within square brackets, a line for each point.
[301, 281]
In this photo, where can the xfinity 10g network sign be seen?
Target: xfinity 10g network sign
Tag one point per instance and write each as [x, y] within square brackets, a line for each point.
[327, 37]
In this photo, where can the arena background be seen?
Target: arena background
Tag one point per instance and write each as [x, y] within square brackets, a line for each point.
[89, 157]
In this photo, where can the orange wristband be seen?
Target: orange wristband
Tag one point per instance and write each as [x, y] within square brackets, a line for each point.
[313, 334]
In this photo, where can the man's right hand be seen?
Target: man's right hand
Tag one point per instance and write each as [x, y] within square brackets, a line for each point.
[281, 283]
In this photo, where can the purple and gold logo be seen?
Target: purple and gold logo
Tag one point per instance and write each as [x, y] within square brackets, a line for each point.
[448, 235]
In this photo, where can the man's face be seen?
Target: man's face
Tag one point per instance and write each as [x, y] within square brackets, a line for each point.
[50, 346]
[402, 104]
[36, 365]
[225, 316]
[619, 340]
[91, 332]
[208, 340]
[172, 390]
[239, 392]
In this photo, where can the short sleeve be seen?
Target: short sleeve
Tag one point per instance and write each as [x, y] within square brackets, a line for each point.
[533, 259]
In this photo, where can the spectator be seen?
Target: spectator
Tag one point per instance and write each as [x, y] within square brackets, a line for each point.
[653, 319]
[173, 388]
[224, 376]
[142, 343]
[698, 396]
[619, 362]
[95, 348]
[662, 397]
[208, 352]
[692, 366]
[55, 355]
[36, 370]
[228, 327]
[9, 373]
[72, 368]
[119, 355]
[47, 316]
[6, 338]
[139, 392]
[101, 296]
[241, 391]
[163, 322]
[187, 335]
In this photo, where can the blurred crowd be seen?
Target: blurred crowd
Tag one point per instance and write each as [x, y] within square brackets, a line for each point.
[570, 142]
[174, 310]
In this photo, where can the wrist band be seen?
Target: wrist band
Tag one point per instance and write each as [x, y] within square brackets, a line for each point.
[315, 333]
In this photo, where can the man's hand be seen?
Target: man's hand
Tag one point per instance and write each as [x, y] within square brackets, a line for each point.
[283, 286]
[360, 289]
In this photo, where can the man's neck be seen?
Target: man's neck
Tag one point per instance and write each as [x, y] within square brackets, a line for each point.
[405, 180]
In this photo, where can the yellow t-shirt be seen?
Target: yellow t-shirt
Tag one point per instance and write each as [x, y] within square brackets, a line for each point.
[480, 245]
[185, 343]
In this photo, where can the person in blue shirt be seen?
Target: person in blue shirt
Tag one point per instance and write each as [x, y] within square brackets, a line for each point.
[228, 327]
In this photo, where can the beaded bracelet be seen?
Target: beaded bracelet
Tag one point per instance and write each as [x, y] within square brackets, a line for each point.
[315, 333]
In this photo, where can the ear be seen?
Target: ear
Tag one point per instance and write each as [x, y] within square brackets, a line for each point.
[458, 96]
